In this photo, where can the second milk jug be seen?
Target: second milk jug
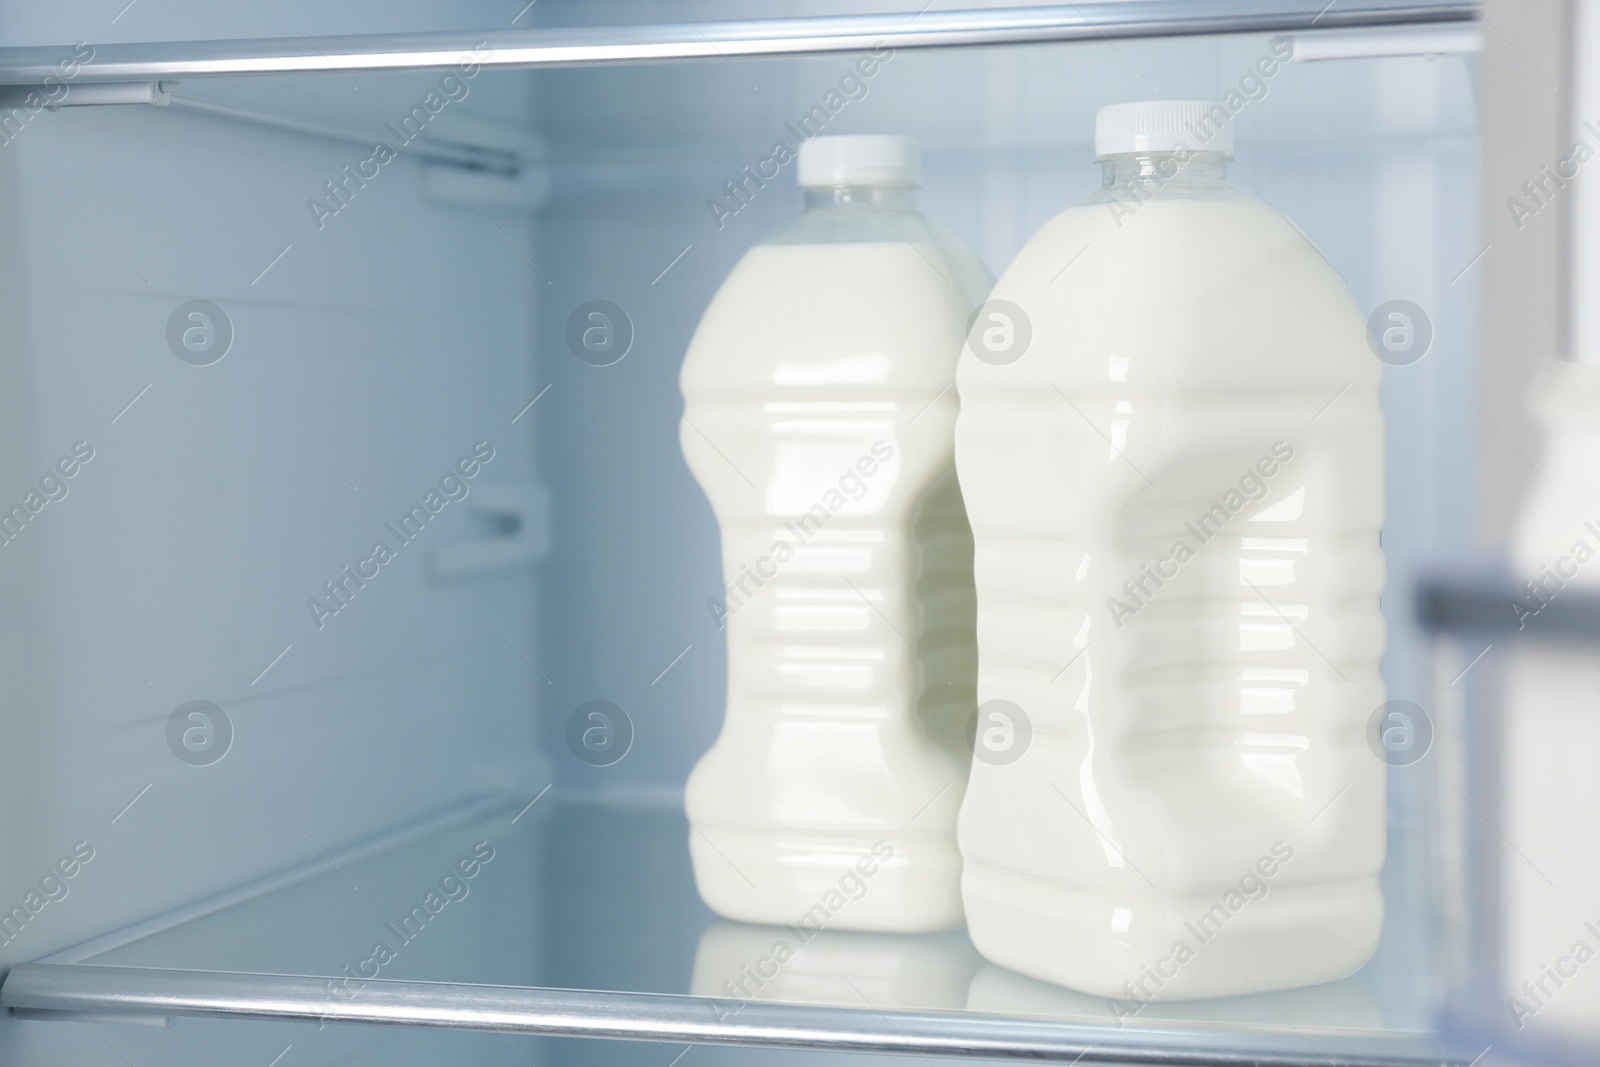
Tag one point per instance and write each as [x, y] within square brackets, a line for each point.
[1171, 451]
[819, 407]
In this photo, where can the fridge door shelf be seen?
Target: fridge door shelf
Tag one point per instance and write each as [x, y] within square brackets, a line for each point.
[628, 952]
[818, 35]
[1490, 603]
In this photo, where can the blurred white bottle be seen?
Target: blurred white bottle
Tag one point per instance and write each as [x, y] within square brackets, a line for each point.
[1173, 463]
[818, 418]
[1550, 736]
[1549, 730]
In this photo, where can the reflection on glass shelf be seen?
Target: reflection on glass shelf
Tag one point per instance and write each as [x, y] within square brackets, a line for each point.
[798, 965]
[581, 919]
[1344, 1005]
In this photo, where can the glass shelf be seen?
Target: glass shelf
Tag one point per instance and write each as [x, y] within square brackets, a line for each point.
[580, 918]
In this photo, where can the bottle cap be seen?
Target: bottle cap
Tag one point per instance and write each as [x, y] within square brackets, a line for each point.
[1163, 126]
[859, 159]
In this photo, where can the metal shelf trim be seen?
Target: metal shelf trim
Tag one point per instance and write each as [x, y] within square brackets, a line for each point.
[524, 49]
[89, 990]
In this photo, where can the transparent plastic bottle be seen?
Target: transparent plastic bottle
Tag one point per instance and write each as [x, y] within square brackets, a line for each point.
[1176, 490]
[819, 413]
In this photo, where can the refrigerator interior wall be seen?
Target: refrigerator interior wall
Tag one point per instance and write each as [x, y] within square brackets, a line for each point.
[372, 351]
[367, 356]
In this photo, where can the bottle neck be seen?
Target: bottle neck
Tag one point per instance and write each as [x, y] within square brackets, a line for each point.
[862, 196]
[1162, 169]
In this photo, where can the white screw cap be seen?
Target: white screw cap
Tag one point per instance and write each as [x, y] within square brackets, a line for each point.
[1163, 126]
[859, 159]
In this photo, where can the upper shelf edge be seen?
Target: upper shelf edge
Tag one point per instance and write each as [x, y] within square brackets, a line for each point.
[523, 49]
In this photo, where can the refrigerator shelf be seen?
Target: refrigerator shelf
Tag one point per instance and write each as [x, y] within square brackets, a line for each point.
[626, 951]
[817, 35]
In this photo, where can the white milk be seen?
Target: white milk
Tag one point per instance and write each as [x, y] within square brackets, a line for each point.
[819, 413]
[1175, 493]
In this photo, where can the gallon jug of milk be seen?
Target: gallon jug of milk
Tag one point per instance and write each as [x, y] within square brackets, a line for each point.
[1171, 452]
[818, 416]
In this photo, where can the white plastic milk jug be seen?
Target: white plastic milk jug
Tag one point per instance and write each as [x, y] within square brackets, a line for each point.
[819, 414]
[1171, 451]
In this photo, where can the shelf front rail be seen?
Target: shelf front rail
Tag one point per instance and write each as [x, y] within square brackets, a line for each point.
[556, 47]
[127, 993]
